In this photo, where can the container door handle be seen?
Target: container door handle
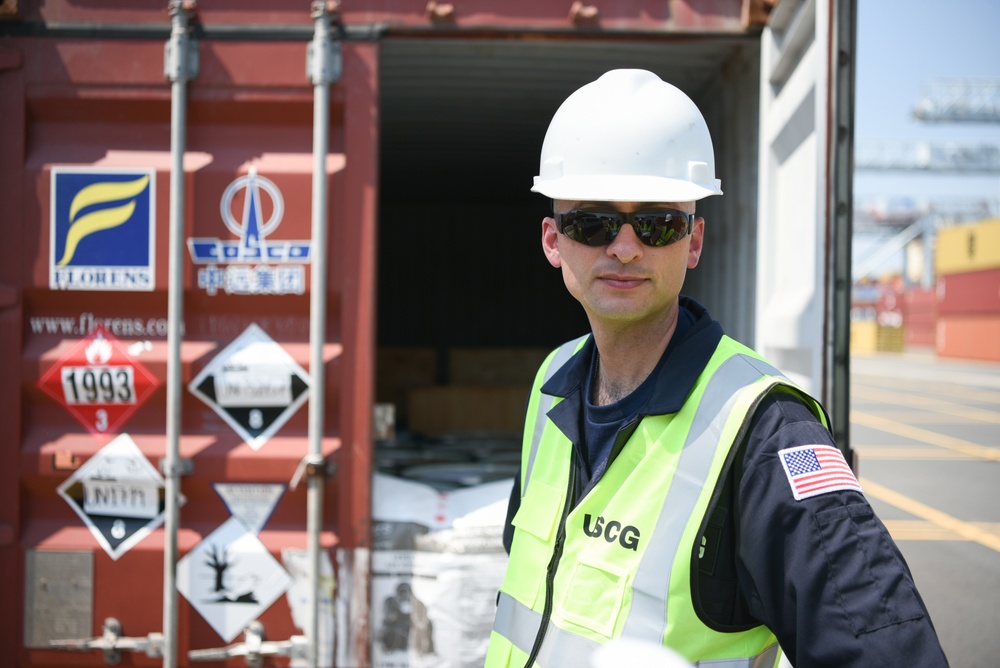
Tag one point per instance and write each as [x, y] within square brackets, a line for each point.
[112, 643]
[254, 648]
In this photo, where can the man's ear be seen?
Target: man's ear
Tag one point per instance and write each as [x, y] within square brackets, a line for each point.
[550, 242]
[697, 240]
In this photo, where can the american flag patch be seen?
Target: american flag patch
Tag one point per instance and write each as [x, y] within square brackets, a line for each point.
[816, 469]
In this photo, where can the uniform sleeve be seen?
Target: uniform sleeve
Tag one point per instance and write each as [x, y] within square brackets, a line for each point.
[823, 573]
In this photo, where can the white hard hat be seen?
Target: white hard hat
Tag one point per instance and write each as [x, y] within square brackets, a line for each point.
[628, 137]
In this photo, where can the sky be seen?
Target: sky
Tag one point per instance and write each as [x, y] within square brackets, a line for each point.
[902, 47]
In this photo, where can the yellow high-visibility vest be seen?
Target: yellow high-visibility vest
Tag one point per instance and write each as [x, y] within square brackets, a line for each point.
[618, 564]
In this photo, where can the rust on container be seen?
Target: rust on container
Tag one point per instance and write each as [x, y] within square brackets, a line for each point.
[693, 16]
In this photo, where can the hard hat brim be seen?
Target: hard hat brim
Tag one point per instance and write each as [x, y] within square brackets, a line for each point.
[624, 188]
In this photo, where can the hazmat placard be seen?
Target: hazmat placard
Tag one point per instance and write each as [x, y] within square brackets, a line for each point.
[118, 494]
[252, 503]
[99, 383]
[230, 578]
[254, 385]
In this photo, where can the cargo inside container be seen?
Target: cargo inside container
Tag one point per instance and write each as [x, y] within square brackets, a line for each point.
[467, 304]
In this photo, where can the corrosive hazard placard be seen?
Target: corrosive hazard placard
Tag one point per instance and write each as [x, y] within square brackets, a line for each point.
[254, 385]
[118, 494]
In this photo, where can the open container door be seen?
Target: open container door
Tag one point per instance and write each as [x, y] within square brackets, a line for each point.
[804, 201]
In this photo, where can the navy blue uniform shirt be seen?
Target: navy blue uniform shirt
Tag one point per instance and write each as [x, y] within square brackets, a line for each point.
[821, 573]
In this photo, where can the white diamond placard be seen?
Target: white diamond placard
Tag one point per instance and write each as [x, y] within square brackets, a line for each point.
[230, 578]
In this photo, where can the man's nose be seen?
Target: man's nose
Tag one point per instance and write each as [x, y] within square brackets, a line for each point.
[626, 246]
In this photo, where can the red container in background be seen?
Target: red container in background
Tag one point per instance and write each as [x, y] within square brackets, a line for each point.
[969, 336]
[969, 292]
[889, 306]
[919, 317]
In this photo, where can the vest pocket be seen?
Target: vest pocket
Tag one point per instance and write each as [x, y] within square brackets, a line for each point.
[540, 508]
[594, 595]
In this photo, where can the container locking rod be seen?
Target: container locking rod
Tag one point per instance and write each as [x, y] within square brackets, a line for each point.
[112, 643]
[254, 648]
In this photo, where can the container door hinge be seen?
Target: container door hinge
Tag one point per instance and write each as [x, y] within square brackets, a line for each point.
[313, 465]
[255, 648]
[180, 54]
[112, 643]
[179, 467]
[324, 61]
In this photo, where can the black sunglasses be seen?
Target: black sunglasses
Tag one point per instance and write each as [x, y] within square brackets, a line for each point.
[599, 228]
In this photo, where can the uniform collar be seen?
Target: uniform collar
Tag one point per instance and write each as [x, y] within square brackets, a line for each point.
[673, 384]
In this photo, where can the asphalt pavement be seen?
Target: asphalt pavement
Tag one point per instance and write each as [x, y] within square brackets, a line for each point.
[927, 434]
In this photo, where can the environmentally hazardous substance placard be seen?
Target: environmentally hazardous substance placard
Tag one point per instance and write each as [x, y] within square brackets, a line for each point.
[230, 578]
[254, 385]
[99, 383]
[118, 494]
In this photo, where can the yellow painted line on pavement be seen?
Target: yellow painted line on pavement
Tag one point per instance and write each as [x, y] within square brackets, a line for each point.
[925, 435]
[924, 530]
[934, 404]
[921, 416]
[951, 390]
[918, 530]
[903, 452]
[966, 530]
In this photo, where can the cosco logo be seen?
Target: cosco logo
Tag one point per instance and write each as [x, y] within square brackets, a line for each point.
[627, 537]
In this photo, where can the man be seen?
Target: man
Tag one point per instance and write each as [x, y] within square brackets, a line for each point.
[674, 487]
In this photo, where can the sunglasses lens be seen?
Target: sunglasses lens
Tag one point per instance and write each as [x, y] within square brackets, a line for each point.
[588, 227]
[600, 229]
[661, 229]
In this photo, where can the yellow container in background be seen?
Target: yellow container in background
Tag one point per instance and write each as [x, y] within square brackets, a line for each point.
[968, 248]
[890, 340]
[864, 336]
[867, 336]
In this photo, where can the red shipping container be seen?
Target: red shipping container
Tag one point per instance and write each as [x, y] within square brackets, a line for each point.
[969, 292]
[889, 307]
[969, 337]
[919, 317]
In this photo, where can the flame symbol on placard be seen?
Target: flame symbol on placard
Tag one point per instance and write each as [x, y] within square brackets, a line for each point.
[99, 350]
[102, 219]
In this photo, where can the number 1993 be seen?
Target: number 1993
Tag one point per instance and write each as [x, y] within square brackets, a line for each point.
[98, 385]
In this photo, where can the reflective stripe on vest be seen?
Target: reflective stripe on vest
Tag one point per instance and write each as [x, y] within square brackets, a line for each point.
[520, 623]
[545, 401]
[647, 615]
[647, 618]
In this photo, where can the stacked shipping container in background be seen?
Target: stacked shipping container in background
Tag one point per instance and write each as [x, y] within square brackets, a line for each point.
[919, 317]
[878, 317]
[967, 265]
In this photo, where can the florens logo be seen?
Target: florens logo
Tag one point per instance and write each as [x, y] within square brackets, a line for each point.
[101, 229]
